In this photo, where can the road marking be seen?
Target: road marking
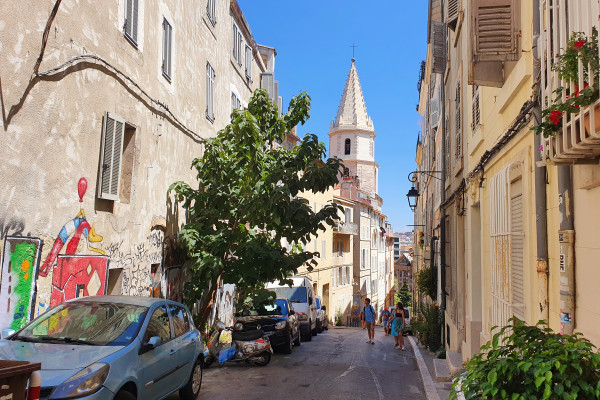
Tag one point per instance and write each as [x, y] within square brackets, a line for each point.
[430, 389]
[375, 379]
[350, 368]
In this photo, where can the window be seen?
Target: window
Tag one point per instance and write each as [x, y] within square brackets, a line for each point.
[343, 271]
[346, 172]
[167, 49]
[476, 121]
[131, 20]
[347, 146]
[237, 44]
[159, 325]
[210, 88]
[181, 323]
[211, 11]
[348, 277]
[236, 104]
[118, 143]
[248, 68]
[458, 122]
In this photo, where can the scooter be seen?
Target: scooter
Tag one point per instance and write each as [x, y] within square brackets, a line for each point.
[250, 346]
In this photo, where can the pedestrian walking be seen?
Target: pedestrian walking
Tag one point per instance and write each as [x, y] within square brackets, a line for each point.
[368, 315]
[396, 325]
[385, 319]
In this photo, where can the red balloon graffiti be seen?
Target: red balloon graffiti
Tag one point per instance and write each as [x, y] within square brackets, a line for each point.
[81, 188]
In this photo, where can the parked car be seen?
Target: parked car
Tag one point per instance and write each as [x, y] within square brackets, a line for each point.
[407, 328]
[111, 347]
[278, 322]
[322, 317]
[301, 295]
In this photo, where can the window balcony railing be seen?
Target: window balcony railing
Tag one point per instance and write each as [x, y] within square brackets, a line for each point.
[578, 139]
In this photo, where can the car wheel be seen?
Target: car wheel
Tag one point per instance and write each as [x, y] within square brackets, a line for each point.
[298, 340]
[314, 331]
[308, 336]
[192, 387]
[124, 395]
[319, 327]
[287, 347]
[265, 358]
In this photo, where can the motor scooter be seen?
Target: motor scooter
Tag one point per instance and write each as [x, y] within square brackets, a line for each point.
[250, 346]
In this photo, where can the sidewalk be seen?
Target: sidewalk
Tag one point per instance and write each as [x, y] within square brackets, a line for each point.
[433, 390]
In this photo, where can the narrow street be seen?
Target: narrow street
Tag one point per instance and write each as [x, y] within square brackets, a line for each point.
[336, 364]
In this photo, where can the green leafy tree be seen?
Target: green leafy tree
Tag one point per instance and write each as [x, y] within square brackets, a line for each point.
[404, 295]
[246, 202]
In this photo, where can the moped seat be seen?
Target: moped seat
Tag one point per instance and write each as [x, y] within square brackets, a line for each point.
[246, 336]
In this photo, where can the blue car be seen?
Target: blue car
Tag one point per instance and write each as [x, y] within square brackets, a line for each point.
[112, 347]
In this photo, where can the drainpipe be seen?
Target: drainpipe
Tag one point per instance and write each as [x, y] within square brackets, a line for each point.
[442, 266]
[541, 225]
[566, 237]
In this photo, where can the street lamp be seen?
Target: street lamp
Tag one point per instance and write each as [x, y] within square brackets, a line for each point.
[413, 197]
[413, 193]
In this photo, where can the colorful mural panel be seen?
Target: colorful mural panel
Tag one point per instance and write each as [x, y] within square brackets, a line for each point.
[78, 276]
[21, 259]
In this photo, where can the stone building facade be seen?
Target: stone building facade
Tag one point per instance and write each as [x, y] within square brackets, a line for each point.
[96, 127]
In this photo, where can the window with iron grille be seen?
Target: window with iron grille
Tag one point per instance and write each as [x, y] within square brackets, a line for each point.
[211, 11]
[248, 68]
[458, 122]
[237, 44]
[131, 20]
[476, 117]
[210, 95]
[167, 49]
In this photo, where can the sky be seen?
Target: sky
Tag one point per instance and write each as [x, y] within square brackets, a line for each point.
[313, 40]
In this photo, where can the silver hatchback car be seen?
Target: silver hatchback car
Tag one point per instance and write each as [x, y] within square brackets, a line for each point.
[112, 347]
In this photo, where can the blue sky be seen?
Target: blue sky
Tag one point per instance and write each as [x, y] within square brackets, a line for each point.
[313, 40]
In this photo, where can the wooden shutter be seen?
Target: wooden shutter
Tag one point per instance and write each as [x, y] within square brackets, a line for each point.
[458, 117]
[167, 33]
[438, 64]
[451, 11]
[113, 130]
[267, 82]
[134, 18]
[210, 86]
[517, 238]
[248, 62]
[495, 30]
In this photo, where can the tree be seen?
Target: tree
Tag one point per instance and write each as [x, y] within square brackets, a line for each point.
[247, 202]
[404, 295]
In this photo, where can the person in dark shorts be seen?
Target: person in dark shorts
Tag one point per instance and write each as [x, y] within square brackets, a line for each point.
[385, 318]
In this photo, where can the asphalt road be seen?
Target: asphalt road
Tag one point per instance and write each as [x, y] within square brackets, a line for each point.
[336, 364]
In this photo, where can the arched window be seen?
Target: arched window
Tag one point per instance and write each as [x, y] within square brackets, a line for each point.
[347, 146]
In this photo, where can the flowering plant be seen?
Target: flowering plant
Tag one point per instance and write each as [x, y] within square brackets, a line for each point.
[578, 48]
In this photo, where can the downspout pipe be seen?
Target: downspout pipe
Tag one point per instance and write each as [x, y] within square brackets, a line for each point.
[442, 266]
[541, 223]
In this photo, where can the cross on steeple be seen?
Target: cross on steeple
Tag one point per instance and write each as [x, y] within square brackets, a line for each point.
[353, 47]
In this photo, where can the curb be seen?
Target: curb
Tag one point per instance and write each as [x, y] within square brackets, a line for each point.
[430, 388]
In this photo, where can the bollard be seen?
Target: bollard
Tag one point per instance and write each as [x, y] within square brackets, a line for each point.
[35, 383]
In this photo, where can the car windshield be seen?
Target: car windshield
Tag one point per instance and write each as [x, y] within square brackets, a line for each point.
[265, 309]
[100, 324]
[295, 294]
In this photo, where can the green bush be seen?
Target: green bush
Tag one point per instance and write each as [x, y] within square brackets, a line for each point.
[427, 326]
[532, 362]
[427, 281]
[338, 318]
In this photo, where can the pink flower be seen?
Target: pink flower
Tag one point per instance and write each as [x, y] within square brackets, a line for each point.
[542, 147]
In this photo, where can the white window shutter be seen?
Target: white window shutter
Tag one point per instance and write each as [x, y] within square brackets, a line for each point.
[134, 24]
[128, 17]
[517, 238]
[267, 82]
[248, 62]
[110, 166]
[434, 112]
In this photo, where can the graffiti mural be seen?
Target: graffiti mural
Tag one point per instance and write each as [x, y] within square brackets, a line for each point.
[78, 276]
[21, 259]
[73, 230]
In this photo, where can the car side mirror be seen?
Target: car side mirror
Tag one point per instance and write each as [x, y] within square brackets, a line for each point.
[323, 308]
[6, 333]
[151, 344]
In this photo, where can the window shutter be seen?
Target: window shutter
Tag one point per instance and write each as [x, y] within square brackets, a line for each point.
[128, 17]
[434, 112]
[517, 239]
[496, 30]
[451, 11]
[210, 85]
[248, 62]
[267, 82]
[110, 167]
[438, 64]
[167, 38]
[134, 18]
[458, 116]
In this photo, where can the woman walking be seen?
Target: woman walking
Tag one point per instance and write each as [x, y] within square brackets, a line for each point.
[397, 324]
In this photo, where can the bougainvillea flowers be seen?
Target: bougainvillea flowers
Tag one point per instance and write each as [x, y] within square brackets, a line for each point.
[555, 117]
[579, 44]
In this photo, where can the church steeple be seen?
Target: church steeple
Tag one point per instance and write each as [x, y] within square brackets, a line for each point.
[352, 112]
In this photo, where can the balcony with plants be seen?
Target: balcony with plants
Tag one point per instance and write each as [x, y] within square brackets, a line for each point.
[570, 72]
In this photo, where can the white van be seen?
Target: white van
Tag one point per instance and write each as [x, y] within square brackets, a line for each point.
[302, 297]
